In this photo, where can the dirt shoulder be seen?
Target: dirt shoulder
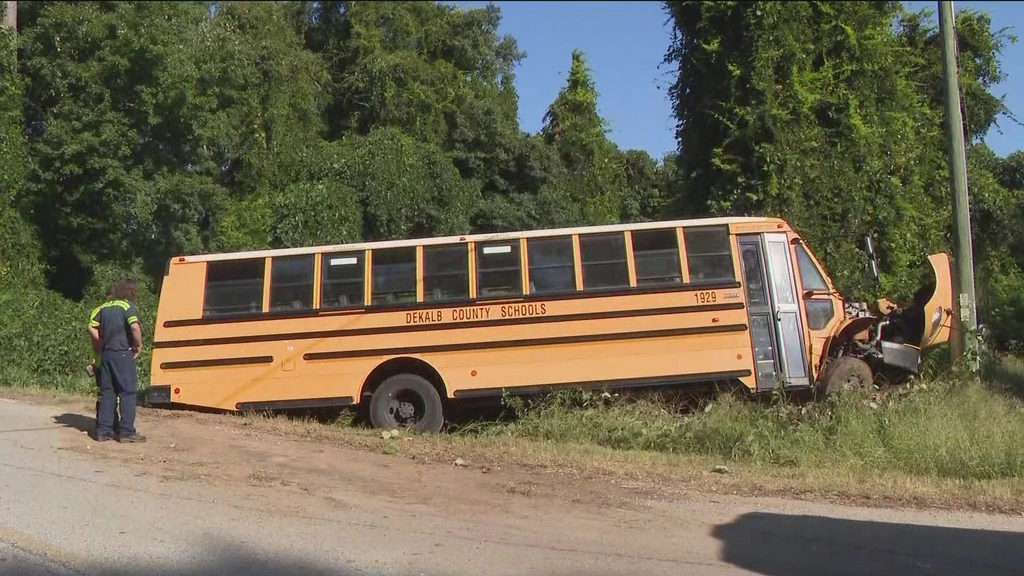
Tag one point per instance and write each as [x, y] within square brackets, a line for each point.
[307, 457]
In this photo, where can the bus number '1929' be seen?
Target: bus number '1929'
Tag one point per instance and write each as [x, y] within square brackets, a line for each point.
[705, 297]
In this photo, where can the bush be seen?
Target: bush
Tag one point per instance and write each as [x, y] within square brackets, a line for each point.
[43, 340]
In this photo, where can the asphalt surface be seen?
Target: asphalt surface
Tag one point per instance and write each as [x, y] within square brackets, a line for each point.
[62, 513]
[14, 560]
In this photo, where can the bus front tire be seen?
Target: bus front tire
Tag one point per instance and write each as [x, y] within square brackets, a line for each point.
[407, 401]
[846, 373]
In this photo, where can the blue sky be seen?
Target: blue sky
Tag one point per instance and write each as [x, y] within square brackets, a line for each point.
[625, 43]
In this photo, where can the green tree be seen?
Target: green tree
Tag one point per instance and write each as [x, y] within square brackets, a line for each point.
[19, 250]
[978, 49]
[12, 143]
[530, 193]
[140, 148]
[383, 186]
[645, 190]
[997, 209]
[577, 131]
[442, 75]
[997, 204]
[572, 122]
[424, 67]
[407, 188]
[810, 111]
[317, 213]
[831, 116]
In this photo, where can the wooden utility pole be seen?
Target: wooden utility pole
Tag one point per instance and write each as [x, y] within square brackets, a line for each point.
[965, 306]
[11, 15]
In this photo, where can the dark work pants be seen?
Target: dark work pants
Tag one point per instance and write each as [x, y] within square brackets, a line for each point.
[117, 421]
[118, 381]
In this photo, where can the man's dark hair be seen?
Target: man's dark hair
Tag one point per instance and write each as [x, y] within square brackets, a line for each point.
[126, 290]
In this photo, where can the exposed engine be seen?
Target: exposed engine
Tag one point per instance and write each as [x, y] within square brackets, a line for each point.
[896, 334]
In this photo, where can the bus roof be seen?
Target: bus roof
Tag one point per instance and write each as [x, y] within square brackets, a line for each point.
[498, 236]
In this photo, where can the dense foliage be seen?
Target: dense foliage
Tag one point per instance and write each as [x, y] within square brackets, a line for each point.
[831, 115]
[133, 131]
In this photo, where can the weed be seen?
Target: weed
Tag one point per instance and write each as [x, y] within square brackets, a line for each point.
[520, 488]
[260, 476]
[944, 428]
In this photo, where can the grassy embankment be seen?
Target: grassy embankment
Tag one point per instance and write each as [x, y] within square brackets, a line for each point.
[942, 441]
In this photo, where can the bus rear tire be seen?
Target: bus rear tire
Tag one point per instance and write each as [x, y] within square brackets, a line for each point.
[407, 401]
[846, 373]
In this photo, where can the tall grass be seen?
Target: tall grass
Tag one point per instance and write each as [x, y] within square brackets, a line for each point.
[946, 428]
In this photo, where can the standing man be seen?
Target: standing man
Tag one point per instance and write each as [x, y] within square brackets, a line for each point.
[93, 368]
[117, 335]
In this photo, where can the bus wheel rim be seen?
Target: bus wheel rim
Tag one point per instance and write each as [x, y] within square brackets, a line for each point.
[403, 409]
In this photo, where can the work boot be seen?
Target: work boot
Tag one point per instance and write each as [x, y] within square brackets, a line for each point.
[133, 438]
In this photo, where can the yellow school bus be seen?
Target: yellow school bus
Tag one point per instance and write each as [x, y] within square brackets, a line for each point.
[413, 326]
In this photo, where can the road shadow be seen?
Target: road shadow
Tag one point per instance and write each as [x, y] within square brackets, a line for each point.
[76, 421]
[781, 544]
[234, 560]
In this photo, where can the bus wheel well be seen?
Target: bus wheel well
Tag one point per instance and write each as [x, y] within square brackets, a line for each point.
[403, 366]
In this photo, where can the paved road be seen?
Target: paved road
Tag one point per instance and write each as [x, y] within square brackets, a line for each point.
[68, 514]
[14, 560]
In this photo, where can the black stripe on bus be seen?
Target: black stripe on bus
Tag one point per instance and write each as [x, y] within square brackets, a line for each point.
[413, 306]
[463, 347]
[611, 314]
[295, 404]
[243, 361]
[609, 384]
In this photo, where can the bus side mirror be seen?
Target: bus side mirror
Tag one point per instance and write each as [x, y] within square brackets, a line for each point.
[872, 259]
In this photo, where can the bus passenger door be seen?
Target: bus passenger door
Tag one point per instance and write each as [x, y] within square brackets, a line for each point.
[776, 326]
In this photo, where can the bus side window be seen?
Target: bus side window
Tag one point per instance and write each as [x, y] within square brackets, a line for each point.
[552, 268]
[445, 272]
[234, 287]
[291, 283]
[819, 311]
[809, 275]
[498, 269]
[393, 274]
[604, 261]
[656, 257]
[708, 254]
[342, 280]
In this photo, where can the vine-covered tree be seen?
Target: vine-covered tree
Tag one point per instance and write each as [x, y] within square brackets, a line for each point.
[831, 115]
[579, 134]
[815, 111]
[18, 248]
[140, 147]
